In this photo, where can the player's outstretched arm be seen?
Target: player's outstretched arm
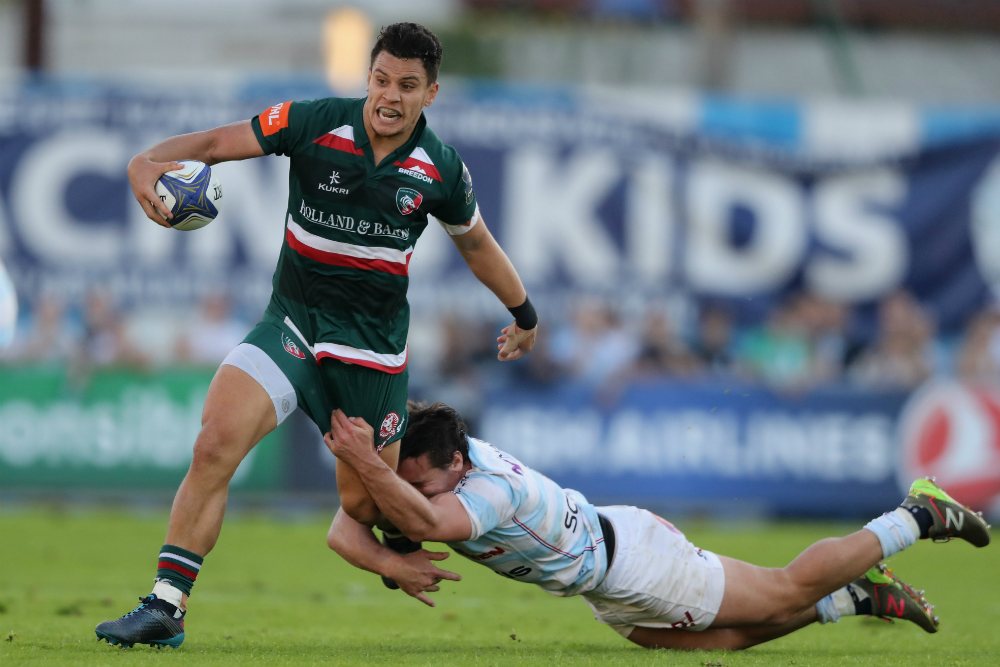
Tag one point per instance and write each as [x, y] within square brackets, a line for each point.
[222, 144]
[491, 266]
[415, 573]
[441, 519]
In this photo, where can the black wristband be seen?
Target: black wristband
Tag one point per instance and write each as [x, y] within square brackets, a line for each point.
[525, 315]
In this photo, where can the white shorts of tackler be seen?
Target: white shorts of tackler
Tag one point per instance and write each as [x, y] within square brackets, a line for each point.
[658, 579]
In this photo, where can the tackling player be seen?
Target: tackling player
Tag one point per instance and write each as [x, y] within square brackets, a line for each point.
[636, 571]
[366, 176]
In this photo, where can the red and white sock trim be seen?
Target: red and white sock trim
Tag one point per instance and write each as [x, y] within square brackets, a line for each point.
[185, 566]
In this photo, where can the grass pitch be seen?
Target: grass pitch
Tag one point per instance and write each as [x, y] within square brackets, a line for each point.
[272, 594]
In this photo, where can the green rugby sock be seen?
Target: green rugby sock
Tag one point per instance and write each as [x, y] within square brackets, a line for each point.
[178, 567]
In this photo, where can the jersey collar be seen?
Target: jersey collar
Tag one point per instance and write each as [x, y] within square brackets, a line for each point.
[474, 454]
[360, 133]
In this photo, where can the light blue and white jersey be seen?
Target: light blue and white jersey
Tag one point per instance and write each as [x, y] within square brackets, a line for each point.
[526, 527]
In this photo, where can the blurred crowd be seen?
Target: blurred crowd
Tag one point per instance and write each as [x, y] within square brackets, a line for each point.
[100, 335]
[803, 342]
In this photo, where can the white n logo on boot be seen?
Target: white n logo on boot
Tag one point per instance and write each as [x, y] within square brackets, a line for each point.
[951, 518]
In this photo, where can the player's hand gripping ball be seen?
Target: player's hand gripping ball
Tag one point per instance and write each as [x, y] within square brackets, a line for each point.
[192, 194]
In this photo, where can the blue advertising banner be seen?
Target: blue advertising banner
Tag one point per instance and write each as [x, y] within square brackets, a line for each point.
[587, 191]
[734, 449]
[615, 205]
[720, 449]
[729, 449]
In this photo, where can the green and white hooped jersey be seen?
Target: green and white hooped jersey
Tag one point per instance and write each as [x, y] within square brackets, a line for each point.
[528, 528]
[351, 227]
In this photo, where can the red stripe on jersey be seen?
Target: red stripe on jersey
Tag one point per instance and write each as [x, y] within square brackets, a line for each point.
[338, 143]
[167, 565]
[336, 259]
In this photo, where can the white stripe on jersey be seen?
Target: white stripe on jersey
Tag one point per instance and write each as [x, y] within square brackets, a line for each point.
[344, 132]
[315, 242]
[526, 527]
[458, 230]
[420, 154]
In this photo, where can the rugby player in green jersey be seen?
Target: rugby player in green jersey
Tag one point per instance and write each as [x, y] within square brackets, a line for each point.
[366, 176]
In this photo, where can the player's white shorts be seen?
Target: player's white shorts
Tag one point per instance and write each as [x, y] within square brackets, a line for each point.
[658, 579]
[254, 362]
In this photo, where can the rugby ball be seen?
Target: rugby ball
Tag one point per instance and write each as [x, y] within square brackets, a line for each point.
[192, 194]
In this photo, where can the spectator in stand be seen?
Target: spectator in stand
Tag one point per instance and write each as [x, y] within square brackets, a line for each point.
[715, 340]
[597, 346]
[208, 340]
[541, 367]
[104, 341]
[467, 345]
[979, 356]
[456, 361]
[49, 337]
[902, 356]
[779, 353]
[825, 324]
[662, 352]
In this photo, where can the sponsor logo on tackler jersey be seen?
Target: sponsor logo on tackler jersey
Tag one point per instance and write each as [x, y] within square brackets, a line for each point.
[495, 551]
[420, 166]
[408, 200]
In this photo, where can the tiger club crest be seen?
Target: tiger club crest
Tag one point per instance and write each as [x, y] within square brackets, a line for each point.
[408, 200]
[291, 348]
[389, 425]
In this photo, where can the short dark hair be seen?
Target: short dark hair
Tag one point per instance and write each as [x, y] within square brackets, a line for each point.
[410, 40]
[437, 431]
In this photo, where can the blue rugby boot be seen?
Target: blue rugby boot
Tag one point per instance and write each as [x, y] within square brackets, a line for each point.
[154, 622]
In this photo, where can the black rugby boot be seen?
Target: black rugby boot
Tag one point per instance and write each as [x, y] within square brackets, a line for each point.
[154, 622]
